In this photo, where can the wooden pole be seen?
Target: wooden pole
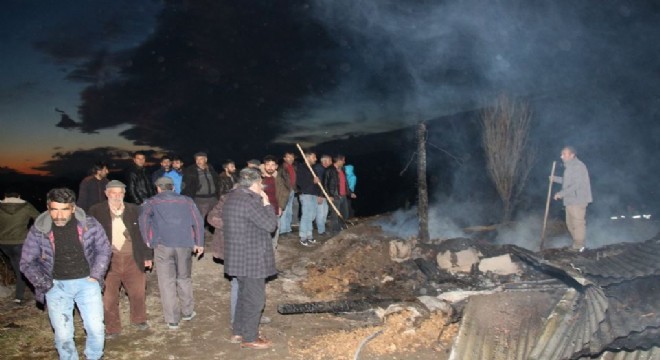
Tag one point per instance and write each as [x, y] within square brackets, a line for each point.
[422, 187]
[547, 205]
[319, 184]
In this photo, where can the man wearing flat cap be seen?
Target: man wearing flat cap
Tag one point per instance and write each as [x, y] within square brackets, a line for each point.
[172, 225]
[130, 258]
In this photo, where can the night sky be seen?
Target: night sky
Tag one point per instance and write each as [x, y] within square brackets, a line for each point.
[83, 80]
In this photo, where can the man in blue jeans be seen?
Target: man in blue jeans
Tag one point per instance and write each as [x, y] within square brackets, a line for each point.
[309, 191]
[65, 257]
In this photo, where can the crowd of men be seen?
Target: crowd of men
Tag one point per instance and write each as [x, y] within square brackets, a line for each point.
[84, 249]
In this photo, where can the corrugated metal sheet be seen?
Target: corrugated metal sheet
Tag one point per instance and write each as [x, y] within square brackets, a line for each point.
[651, 354]
[635, 260]
[503, 326]
[613, 303]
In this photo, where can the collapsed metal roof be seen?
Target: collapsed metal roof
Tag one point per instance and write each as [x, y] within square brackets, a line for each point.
[611, 303]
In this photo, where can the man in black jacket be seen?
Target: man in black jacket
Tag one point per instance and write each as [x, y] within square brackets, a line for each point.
[130, 258]
[140, 187]
[200, 182]
[228, 177]
[334, 181]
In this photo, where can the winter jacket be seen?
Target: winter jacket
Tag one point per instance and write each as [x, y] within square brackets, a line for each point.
[91, 191]
[247, 228]
[576, 186]
[172, 220]
[351, 179]
[305, 182]
[140, 187]
[226, 182]
[331, 182]
[191, 184]
[103, 214]
[283, 186]
[15, 215]
[177, 177]
[38, 255]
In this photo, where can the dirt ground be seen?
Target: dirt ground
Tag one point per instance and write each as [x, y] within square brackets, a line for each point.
[348, 265]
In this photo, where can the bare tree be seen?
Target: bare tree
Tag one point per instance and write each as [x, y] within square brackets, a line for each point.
[505, 139]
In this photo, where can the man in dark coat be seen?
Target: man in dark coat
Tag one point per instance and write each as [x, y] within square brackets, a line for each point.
[92, 188]
[200, 182]
[130, 258]
[140, 186]
[249, 219]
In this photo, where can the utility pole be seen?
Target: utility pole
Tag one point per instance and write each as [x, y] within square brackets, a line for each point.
[422, 187]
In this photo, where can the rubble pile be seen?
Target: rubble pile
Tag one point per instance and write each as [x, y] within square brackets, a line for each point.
[510, 303]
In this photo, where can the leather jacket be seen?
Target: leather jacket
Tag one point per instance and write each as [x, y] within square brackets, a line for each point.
[140, 187]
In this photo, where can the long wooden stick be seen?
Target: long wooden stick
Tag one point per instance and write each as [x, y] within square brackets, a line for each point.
[547, 204]
[327, 197]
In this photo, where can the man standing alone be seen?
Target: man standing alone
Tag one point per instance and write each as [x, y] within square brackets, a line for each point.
[249, 219]
[576, 194]
[65, 257]
[130, 257]
[171, 225]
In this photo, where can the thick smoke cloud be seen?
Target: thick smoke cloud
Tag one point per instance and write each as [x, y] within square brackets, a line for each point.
[586, 68]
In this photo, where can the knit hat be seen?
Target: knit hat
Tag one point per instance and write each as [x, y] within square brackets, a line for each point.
[201, 153]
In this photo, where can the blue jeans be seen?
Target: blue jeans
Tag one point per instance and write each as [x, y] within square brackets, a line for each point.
[308, 203]
[321, 215]
[287, 215]
[60, 299]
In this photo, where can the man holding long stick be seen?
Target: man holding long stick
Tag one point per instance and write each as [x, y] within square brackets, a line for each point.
[576, 194]
[306, 181]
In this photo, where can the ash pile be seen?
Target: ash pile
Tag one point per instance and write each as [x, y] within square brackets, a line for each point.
[509, 302]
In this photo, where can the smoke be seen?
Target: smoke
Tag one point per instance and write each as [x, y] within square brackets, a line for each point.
[583, 66]
[447, 219]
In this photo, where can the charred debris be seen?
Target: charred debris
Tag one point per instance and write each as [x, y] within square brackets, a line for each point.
[511, 303]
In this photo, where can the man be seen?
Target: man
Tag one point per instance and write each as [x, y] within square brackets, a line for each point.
[172, 225]
[176, 173]
[306, 181]
[576, 194]
[322, 207]
[15, 216]
[287, 187]
[269, 180]
[249, 219]
[140, 186]
[227, 178]
[253, 163]
[92, 187]
[165, 166]
[334, 181]
[200, 182]
[130, 258]
[65, 257]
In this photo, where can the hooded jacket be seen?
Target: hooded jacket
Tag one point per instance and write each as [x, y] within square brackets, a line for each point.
[15, 215]
[351, 179]
[38, 255]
